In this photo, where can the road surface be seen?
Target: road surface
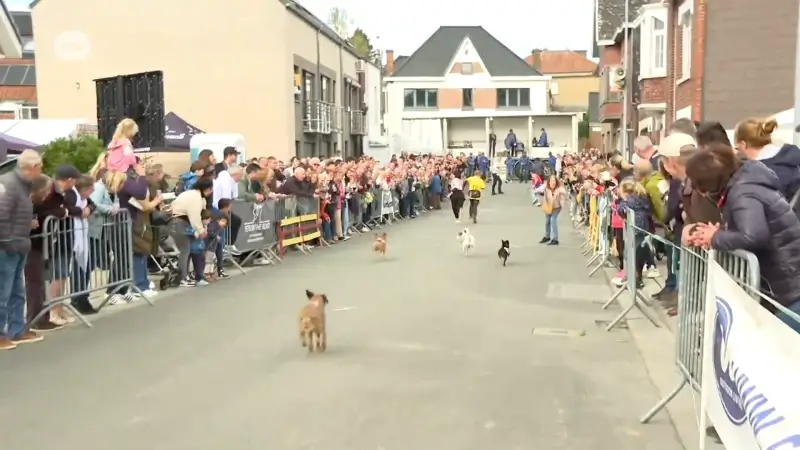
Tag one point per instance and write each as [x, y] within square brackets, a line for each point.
[427, 350]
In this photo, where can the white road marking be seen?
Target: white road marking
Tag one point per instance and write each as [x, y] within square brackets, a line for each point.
[344, 308]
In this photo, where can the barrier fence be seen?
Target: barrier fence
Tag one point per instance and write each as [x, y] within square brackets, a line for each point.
[107, 254]
[715, 290]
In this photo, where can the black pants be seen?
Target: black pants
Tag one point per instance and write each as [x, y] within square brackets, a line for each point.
[473, 208]
[235, 225]
[620, 246]
[642, 255]
[497, 183]
[457, 202]
[492, 147]
[199, 265]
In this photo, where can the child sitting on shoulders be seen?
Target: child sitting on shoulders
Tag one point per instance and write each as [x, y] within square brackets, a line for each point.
[120, 149]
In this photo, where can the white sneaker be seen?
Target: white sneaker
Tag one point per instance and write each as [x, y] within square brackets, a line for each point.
[346, 238]
[651, 272]
[262, 262]
[458, 220]
[152, 286]
[116, 299]
[365, 229]
[132, 297]
[150, 293]
[202, 283]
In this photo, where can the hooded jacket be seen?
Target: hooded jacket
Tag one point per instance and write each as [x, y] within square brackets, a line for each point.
[758, 219]
[640, 207]
[785, 162]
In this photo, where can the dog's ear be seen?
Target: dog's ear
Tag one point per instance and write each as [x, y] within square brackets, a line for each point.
[383, 236]
[325, 298]
[309, 294]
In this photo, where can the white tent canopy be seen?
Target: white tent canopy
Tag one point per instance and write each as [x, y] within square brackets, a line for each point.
[42, 131]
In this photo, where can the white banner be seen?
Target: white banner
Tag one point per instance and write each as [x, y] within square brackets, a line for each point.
[751, 370]
[388, 202]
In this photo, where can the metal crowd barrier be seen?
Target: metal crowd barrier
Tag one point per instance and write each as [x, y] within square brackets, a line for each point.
[80, 257]
[690, 264]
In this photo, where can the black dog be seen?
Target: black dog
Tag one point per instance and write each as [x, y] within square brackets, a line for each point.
[504, 252]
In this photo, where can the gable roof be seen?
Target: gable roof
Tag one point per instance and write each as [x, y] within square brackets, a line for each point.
[551, 62]
[433, 57]
[610, 15]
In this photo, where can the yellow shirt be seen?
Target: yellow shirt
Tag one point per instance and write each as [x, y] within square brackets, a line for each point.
[475, 183]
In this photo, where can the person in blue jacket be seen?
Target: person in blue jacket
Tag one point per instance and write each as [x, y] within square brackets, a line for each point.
[435, 191]
[510, 161]
[543, 139]
[483, 165]
[524, 168]
[511, 140]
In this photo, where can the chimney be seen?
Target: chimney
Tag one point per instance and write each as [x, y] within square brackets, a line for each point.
[389, 62]
[536, 58]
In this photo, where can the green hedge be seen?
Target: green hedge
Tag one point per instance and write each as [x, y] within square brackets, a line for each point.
[82, 152]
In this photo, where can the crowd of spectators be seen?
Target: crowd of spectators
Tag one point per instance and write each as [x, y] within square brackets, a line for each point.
[698, 189]
[70, 234]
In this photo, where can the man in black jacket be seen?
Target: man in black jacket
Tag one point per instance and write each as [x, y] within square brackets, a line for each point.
[229, 156]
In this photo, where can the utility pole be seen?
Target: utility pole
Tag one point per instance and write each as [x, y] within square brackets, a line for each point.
[626, 64]
[796, 123]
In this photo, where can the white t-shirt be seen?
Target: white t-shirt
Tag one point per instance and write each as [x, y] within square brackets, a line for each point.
[457, 183]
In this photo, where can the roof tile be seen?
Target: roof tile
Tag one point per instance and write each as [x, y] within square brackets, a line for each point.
[560, 61]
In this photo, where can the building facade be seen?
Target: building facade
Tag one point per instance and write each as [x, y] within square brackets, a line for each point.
[281, 77]
[461, 85]
[573, 77]
[18, 74]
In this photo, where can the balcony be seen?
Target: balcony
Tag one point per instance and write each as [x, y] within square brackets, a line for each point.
[320, 117]
[358, 122]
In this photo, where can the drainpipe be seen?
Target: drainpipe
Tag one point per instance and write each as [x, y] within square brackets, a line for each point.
[625, 93]
[342, 113]
[796, 123]
[316, 96]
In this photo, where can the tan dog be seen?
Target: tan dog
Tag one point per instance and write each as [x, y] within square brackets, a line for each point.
[379, 244]
[312, 322]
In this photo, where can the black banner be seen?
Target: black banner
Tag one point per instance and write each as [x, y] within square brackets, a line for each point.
[258, 225]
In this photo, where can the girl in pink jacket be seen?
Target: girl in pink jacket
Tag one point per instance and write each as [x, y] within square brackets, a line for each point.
[120, 149]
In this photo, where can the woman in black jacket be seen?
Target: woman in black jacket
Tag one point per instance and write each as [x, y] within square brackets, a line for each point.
[757, 219]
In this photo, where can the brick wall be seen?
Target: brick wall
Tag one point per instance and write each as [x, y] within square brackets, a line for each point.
[449, 98]
[610, 56]
[689, 91]
[654, 90]
[485, 98]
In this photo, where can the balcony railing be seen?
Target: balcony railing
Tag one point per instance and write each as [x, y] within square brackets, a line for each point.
[358, 122]
[319, 117]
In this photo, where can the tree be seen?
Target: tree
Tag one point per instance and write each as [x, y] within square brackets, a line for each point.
[338, 20]
[360, 41]
[81, 152]
[583, 127]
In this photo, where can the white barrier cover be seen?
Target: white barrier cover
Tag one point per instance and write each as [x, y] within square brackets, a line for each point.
[751, 370]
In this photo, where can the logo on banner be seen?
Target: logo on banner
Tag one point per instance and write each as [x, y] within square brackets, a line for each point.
[742, 400]
[724, 370]
[259, 222]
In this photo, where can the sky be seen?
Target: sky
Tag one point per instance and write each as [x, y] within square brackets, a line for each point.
[404, 26]
[520, 25]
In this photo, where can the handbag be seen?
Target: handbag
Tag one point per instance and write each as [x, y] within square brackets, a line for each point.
[474, 194]
[547, 207]
[159, 218]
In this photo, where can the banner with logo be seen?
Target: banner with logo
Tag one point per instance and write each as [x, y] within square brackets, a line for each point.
[751, 368]
[257, 231]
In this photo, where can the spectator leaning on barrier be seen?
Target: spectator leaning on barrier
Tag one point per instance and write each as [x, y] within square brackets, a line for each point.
[754, 141]
[226, 185]
[35, 282]
[246, 190]
[144, 233]
[186, 212]
[712, 132]
[83, 256]
[108, 232]
[757, 217]
[16, 209]
[634, 200]
[675, 150]
[685, 126]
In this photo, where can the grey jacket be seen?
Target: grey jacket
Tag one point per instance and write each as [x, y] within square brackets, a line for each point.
[758, 219]
[16, 210]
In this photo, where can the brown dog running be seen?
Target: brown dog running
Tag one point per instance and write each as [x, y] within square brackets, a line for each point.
[312, 322]
[379, 244]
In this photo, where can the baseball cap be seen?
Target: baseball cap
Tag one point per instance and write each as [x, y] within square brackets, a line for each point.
[671, 145]
[66, 172]
[230, 151]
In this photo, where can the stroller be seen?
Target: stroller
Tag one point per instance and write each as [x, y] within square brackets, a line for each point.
[165, 262]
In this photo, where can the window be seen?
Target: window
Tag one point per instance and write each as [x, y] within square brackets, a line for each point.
[325, 89]
[659, 53]
[466, 98]
[26, 113]
[513, 98]
[466, 69]
[420, 98]
[686, 46]
[308, 85]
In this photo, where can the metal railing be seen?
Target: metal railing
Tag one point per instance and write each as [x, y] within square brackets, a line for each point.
[358, 122]
[319, 117]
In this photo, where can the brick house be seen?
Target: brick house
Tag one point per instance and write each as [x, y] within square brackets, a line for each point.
[648, 77]
[18, 70]
[574, 76]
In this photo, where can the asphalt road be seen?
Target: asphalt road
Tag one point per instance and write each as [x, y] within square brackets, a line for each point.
[427, 350]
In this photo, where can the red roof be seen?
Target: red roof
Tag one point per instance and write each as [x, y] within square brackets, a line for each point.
[561, 61]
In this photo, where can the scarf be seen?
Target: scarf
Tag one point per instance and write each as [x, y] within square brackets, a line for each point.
[80, 234]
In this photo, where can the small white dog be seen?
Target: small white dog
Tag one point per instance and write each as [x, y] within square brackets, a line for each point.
[467, 241]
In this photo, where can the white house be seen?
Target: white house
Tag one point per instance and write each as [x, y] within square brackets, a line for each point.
[460, 85]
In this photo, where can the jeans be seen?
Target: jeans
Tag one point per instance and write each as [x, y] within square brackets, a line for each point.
[673, 259]
[407, 205]
[551, 225]
[327, 230]
[497, 183]
[12, 294]
[177, 229]
[140, 279]
[345, 217]
[220, 257]
[788, 320]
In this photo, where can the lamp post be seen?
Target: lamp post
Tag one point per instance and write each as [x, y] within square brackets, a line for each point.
[626, 64]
